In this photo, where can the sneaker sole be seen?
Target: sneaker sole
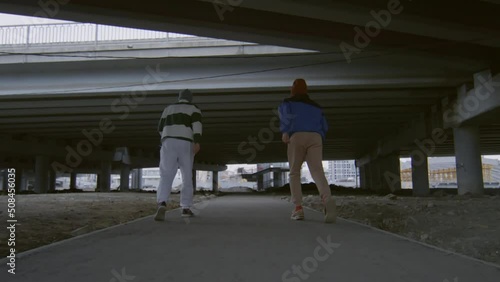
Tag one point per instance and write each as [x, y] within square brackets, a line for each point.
[160, 214]
[331, 212]
[297, 218]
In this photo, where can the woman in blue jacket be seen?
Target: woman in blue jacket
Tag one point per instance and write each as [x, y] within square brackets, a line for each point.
[303, 126]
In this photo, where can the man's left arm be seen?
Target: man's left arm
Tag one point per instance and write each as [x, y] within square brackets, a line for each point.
[161, 123]
[324, 124]
[197, 126]
[285, 121]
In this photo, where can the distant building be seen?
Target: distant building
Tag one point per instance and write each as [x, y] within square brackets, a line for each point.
[342, 172]
[442, 173]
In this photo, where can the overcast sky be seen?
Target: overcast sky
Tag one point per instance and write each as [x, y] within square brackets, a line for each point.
[7, 19]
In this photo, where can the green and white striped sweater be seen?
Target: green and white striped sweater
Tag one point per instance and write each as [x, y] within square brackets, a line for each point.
[181, 121]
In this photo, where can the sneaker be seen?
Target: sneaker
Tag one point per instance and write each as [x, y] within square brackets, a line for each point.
[298, 214]
[330, 211]
[187, 213]
[160, 213]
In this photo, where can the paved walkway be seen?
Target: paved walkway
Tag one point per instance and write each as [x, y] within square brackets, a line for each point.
[244, 239]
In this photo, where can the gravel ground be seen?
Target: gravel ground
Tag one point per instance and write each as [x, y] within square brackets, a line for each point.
[466, 225]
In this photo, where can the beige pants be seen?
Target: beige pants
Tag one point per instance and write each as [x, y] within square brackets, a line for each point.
[307, 146]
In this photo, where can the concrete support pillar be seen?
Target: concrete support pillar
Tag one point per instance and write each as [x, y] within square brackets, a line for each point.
[358, 185]
[266, 180]
[368, 176]
[215, 181]
[125, 178]
[20, 180]
[5, 179]
[277, 179]
[137, 178]
[468, 160]
[420, 173]
[391, 173]
[72, 181]
[52, 180]
[134, 184]
[105, 177]
[363, 177]
[41, 174]
[194, 181]
[260, 182]
[375, 175]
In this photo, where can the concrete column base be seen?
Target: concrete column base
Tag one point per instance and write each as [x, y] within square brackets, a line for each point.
[215, 181]
[468, 160]
[42, 174]
[420, 174]
[105, 177]
[125, 178]
[391, 170]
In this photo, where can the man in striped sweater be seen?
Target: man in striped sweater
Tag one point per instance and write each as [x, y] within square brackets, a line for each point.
[180, 128]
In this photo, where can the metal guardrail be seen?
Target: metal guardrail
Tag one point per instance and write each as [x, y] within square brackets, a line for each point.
[72, 33]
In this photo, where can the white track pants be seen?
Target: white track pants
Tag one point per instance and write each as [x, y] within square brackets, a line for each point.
[174, 154]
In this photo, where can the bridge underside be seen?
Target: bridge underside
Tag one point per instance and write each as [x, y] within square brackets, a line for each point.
[418, 75]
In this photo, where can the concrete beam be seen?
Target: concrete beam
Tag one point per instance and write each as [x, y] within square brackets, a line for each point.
[429, 128]
[471, 103]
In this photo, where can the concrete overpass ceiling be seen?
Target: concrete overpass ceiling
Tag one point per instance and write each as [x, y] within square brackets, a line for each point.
[384, 71]
[421, 57]
[423, 18]
[317, 25]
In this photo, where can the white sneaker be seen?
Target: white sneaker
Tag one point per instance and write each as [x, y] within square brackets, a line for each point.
[330, 211]
[298, 214]
[160, 213]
